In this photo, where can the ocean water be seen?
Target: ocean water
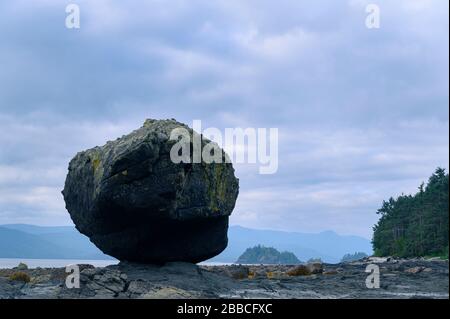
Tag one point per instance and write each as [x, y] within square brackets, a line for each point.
[214, 263]
[58, 263]
[52, 263]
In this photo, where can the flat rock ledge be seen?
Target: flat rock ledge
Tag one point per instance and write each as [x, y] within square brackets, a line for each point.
[399, 279]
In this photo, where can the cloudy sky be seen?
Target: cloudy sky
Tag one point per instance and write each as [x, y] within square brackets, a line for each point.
[362, 113]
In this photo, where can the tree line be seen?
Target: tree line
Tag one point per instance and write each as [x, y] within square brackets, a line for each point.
[415, 225]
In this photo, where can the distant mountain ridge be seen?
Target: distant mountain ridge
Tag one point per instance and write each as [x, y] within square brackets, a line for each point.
[65, 242]
[46, 242]
[328, 245]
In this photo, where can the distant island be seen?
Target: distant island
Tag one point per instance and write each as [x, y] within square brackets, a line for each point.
[314, 260]
[267, 255]
[353, 257]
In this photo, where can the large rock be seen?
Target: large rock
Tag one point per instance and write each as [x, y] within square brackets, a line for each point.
[135, 204]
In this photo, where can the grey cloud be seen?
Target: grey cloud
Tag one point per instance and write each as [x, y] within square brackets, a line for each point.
[361, 111]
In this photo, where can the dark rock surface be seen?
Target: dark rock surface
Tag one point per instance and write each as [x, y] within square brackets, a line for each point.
[135, 204]
[185, 280]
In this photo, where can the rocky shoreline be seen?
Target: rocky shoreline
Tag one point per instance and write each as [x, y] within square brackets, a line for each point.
[399, 279]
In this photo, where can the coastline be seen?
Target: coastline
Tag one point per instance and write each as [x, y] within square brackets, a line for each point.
[399, 279]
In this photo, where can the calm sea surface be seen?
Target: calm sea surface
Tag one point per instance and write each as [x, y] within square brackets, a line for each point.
[52, 263]
[57, 263]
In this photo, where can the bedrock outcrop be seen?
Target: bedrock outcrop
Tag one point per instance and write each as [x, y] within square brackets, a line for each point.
[187, 281]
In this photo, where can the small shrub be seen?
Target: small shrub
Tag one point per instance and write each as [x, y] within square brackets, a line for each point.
[21, 266]
[444, 254]
[301, 270]
[275, 275]
[20, 276]
[238, 272]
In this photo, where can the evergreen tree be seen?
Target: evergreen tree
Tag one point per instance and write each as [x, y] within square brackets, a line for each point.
[415, 225]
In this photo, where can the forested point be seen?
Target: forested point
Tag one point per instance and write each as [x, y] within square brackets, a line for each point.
[415, 225]
[267, 255]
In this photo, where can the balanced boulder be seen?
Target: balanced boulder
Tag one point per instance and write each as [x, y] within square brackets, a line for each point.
[136, 204]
